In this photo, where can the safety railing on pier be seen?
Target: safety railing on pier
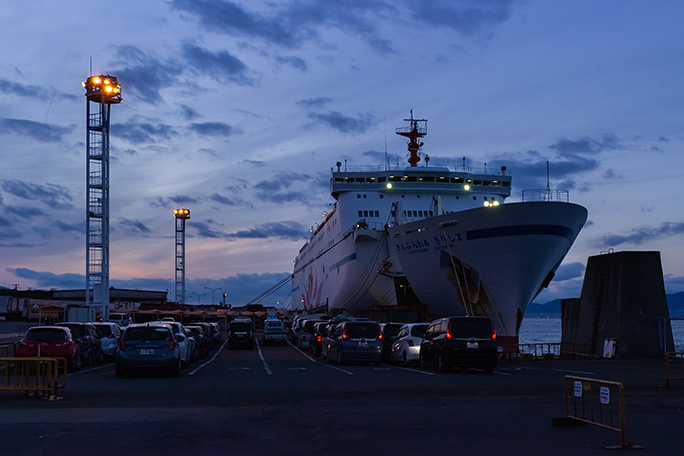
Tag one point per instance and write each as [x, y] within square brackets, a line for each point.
[674, 367]
[554, 350]
[33, 375]
[597, 402]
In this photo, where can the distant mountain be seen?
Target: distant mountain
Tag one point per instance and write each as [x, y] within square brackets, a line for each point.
[553, 309]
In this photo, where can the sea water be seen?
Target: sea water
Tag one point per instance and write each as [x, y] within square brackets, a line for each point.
[548, 330]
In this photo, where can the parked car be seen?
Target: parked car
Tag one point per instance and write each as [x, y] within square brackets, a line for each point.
[148, 347]
[406, 346]
[109, 333]
[184, 345]
[88, 341]
[316, 340]
[326, 339]
[241, 333]
[462, 342]
[216, 329]
[356, 341]
[212, 337]
[389, 333]
[50, 341]
[306, 332]
[274, 332]
[197, 332]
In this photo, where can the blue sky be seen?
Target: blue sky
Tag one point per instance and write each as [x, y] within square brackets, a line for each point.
[238, 110]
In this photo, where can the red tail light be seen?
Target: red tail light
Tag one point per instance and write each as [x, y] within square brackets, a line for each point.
[493, 332]
[172, 343]
[344, 335]
[448, 334]
[319, 339]
[380, 336]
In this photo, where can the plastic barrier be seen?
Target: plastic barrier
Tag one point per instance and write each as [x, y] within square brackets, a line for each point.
[33, 375]
[674, 367]
[597, 402]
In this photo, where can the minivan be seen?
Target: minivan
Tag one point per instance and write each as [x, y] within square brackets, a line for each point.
[356, 341]
[241, 333]
[463, 342]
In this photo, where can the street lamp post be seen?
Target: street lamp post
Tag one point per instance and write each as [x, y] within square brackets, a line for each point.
[198, 296]
[212, 293]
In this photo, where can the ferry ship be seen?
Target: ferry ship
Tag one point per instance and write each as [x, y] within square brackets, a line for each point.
[437, 237]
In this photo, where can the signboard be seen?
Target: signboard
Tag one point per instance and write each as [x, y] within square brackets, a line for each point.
[578, 388]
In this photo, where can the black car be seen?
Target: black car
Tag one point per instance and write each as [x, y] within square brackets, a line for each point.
[198, 332]
[463, 342]
[319, 331]
[85, 335]
[389, 335]
[241, 333]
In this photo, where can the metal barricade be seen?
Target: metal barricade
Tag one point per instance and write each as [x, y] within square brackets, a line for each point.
[8, 350]
[33, 375]
[545, 350]
[597, 402]
[674, 367]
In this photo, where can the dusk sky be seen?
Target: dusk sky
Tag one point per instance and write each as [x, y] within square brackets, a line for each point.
[238, 110]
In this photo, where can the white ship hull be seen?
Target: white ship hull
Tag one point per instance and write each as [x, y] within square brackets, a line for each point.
[487, 261]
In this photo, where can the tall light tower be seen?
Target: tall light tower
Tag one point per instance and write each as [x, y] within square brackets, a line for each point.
[103, 91]
[181, 216]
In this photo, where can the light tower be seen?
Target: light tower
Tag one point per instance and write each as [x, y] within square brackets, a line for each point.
[181, 216]
[103, 91]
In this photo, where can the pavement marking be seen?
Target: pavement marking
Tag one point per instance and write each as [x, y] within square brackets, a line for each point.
[90, 369]
[316, 362]
[557, 370]
[194, 371]
[263, 360]
[414, 370]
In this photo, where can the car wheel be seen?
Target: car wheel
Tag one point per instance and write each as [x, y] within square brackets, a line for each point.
[89, 359]
[422, 362]
[120, 372]
[442, 365]
[100, 358]
[340, 360]
[405, 359]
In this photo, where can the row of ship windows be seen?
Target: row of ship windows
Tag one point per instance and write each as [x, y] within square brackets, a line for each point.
[359, 195]
[445, 180]
[406, 213]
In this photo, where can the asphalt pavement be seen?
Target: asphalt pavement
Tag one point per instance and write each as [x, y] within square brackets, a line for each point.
[277, 400]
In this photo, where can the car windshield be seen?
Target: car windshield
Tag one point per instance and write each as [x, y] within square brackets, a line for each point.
[362, 330]
[274, 324]
[77, 330]
[243, 327]
[419, 330]
[465, 328]
[45, 334]
[147, 333]
[103, 330]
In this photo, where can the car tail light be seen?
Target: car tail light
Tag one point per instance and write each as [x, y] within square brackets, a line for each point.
[493, 332]
[122, 343]
[172, 343]
[448, 334]
[344, 335]
[379, 336]
[319, 339]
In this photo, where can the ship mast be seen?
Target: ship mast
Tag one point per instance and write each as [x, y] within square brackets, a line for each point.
[416, 129]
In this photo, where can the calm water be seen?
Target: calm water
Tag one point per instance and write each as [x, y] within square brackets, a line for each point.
[548, 330]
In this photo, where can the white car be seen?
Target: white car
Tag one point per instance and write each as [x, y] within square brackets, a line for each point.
[109, 333]
[182, 338]
[406, 349]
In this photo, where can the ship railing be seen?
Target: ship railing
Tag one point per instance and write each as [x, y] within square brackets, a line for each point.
[401, 167]
[674, 367]
[546, 194]
[540, 350]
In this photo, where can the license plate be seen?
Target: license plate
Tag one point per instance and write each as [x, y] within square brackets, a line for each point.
[473, 345]
[147, 351]
[363, 343]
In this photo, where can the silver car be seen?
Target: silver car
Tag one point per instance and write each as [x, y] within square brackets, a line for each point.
[110, 334]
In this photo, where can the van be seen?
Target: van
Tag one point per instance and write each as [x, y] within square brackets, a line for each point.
[241, 333]
[274, 331]
[356, 341]
[463, 342]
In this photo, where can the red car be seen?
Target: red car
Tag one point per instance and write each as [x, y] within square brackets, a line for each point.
[50, 341]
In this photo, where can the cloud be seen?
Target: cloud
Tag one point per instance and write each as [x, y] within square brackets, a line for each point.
[587, 145]
[469, 18]
[189, 113]
[288, 230]
[295, 62]
[214, 129]
[25, 212]
[255, 163]
[569, 271]
[229, 201]
[172, 201]
[32, 91]
[345, 124]
[132, 226]
[641, 235]
[145, 75]
[221, 66]
[136, 132]
[39, 131]
[204, 230]
[318, 103]
[52, 195]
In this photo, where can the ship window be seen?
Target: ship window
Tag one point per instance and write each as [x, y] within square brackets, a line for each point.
[349, 179]
[442, 179]
[381, 179]
[474, 197]
[420, 213]
[404, 213]
[415, 213]
[360, 213]
[370, 179]
[365, 213]
[506, 184]
[430, 212]
[456, 180]
[360, 179]
[403, 196]
[469, 181]
[364, 195]
[382, 196]
[410, 179]
[486, 182]
[377, 213]
[339, 179]
[427, 179]
[485, 198]
[358, 195]
[395, 178]
[417, 196]
[496, 182]
[477, 182]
